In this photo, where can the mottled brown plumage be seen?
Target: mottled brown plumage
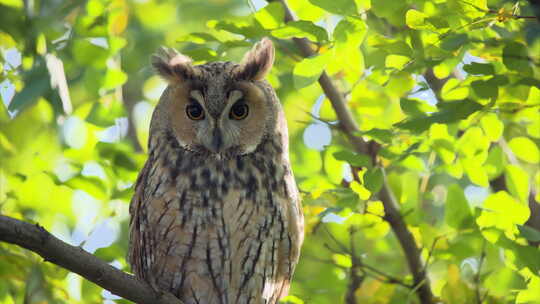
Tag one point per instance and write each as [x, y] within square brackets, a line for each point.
[216, 217]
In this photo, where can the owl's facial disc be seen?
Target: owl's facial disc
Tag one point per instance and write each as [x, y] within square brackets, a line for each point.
[216, 134]
[220, 108]
[229, 125]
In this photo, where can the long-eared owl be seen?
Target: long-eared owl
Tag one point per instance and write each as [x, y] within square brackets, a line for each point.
[216, 216]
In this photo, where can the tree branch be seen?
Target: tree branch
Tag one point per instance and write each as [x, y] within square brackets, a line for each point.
[356, 278]
[346, 121]
[75, 259]
[392, 216]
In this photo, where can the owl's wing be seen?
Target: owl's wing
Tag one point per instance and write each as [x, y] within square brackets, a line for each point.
[137, 234]
[295, 219]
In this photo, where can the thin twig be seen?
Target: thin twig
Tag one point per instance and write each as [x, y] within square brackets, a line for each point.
[377, 274]
[387, 278]
[430, 253]
[477, 276]
[340, 244]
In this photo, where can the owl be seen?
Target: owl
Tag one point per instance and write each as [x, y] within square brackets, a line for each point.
[216, 216]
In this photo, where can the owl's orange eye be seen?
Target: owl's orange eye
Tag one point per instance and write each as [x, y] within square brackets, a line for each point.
[195, 112]
[239, 111]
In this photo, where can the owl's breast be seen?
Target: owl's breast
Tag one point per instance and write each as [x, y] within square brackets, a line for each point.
[218, 231]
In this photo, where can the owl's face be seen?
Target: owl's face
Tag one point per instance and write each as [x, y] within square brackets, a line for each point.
[220, 108]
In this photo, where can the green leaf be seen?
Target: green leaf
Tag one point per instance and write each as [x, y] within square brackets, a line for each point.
[410, 150]
[468, 8]
[457, 212]
[400, 84]
[348, 36]
[525, 256]
[342, 260]
[88, 54]
[29, 94]
[39, 191]
[517, 181]
[502, 281]
[456, 290]
[198, 37]
[476, 68]
[380, 135]
[271, 16]
[418, 20]
[114, 78]
[453, 42]
[396, 48]
[341, 7]
[475, 171]
[200, 53]
[36, 290]
[492, 126]
[438, 22]
[290, 299]
[442, 142]
[6, 41]
[90, 184]
[393, 11]
[528, 81]
[516, 57]
[241, 27]
[489, 88]
[451, 112]
[105, 115]
[351, 31]
[396, 61]
[529, 233]
[445, 150]
[332, 166]
[413, 162]
[91, 292]
[309, 70]
[473, 143]
[495, 163]
[502, 211]
[454, 90]
[37, 83]
[373, 180]
[413, 107]
[530, 295]
[119, 153]
[356, 160]
[525, 149]
[346, 198]
[301, 29]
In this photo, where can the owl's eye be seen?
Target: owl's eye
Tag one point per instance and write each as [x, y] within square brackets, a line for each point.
[194, 111]
[239, 111]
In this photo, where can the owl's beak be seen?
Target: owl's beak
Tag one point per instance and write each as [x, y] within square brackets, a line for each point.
[217, 141]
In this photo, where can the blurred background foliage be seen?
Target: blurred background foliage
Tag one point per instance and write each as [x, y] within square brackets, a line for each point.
[450, 91]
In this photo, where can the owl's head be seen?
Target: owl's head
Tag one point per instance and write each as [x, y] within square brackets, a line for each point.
[219, 108]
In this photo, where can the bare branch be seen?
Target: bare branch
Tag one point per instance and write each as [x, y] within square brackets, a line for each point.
[75, 259]
[337, 99]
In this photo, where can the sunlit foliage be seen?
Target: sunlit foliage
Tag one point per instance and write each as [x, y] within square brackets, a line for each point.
[449, 90]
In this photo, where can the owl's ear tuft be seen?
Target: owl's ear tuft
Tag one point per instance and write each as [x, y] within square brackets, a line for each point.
[172, 66]
[257, 62]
